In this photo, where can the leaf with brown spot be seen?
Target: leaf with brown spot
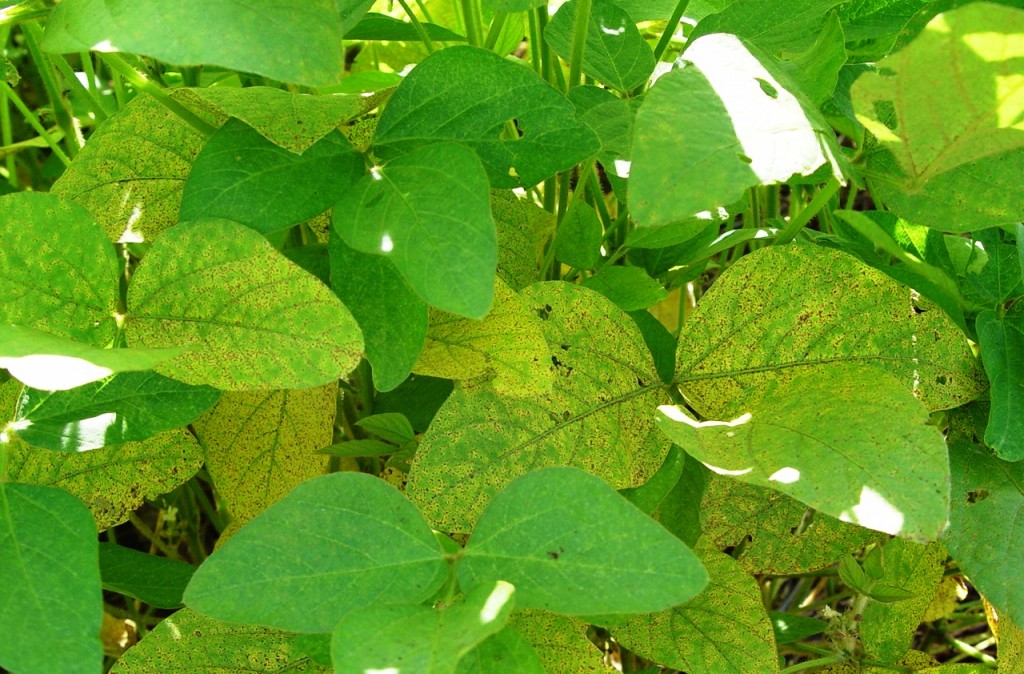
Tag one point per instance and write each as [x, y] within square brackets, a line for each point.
[507, 343]
[598, 415]
[260, 445]
[255, 320]
[560, 641]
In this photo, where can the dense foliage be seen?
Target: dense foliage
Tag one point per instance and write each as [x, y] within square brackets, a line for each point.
[483, 336]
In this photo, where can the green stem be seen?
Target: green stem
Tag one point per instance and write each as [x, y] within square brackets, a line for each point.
[535, 45]
[808, 212]
[470, 18]
[45, 68]
[494, 32]
[89, 92]
[143, 83]
[420, 29]
[33, 121]
[6, 132]
[815, 664]
[670, 29]
[579, 40]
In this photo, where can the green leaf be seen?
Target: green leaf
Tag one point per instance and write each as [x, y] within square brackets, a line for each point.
[64, 285]
[357, 448]
[612, 119]
[780, 535]
[467, 95]
[724, 629]
[393, 319]
[127, 407]
[48, 563]
[428, 213]
[872, 27]
[418, 398]
[928, 131]
[648, 496]
[547, 533]
[189, 643]
[790, 628]
[418, 638]
[728, 120]
[523, 232]
[376, 26]
[615, 54]
[915, 570]
[260, 445]
[505, 652]
[240, 175]
[210, 32]
[597, 416]
[775, 299]
[999, 279]
[130, 174]
[157, 581]
[513, 5]
[112, 481]
[44, 361]
[852, 574]
[630, 288]
[808, 440]
[560, 641]
[660, 342]
[578, 242]
[983, 536]
[1002, 349]
[254, 319]
[390, 426]
[507, 344]
[284, 569]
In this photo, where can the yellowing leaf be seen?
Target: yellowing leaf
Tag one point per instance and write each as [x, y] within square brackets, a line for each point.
[507, 343]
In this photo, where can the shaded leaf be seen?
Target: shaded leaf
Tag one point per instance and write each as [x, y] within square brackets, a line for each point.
[254, 319]
[506, 652]
[649, 496]
[772, 298]
[127, 407]
[262, 444]
[473, 93]
[578, 242]
[157, 581]
[808, 440]
[66, 286]
[418, 638]
[390, 426]
[428, 213]
[239, 175]
[189, 643]
[724, 629]
[508, 344]
[210, 32]
[523, 232]
[612, 119]
[597, 416]
[285, 569]
[630, 288]
[547, 534]
[48, 562]
[615, 54]
[376, 26]
[1002, 349]
[790, 627]
[112, 481]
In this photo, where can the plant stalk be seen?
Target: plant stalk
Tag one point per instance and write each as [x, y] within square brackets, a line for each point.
[808, 212]
[579, 41]
[670, 29]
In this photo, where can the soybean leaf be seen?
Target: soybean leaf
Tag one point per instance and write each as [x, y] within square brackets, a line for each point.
[418, 638]
[888, 628]
[983, 537]
[649, 496]
[1002, 349]
[376, 26]
[630, 288]
[506, 652]
[66, 286]
[157, 581]
[393, 319]
[615, 52]
[547, 533]
[807, 440]
[418, 398]
[931, 133]
[48, 562]
[596, 417]
[513, 5]
[560, 642]
[523, 231]
[189, 643]
[769, 299]
[260, 445]
[727, 121]
[130, 174]
[287, 570]
[357, 448]
[254, 319]
[473, 95]
[789, 627]
[390, 426]
[780, 535]
[210, 32]
[660, 342]
[240, 175]
[873, 27]
[126, 407]
[112, 481]
[612, 119]
[428, 212]
[44, 361]
[507, 344]
[724, 629]
[578, 242]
